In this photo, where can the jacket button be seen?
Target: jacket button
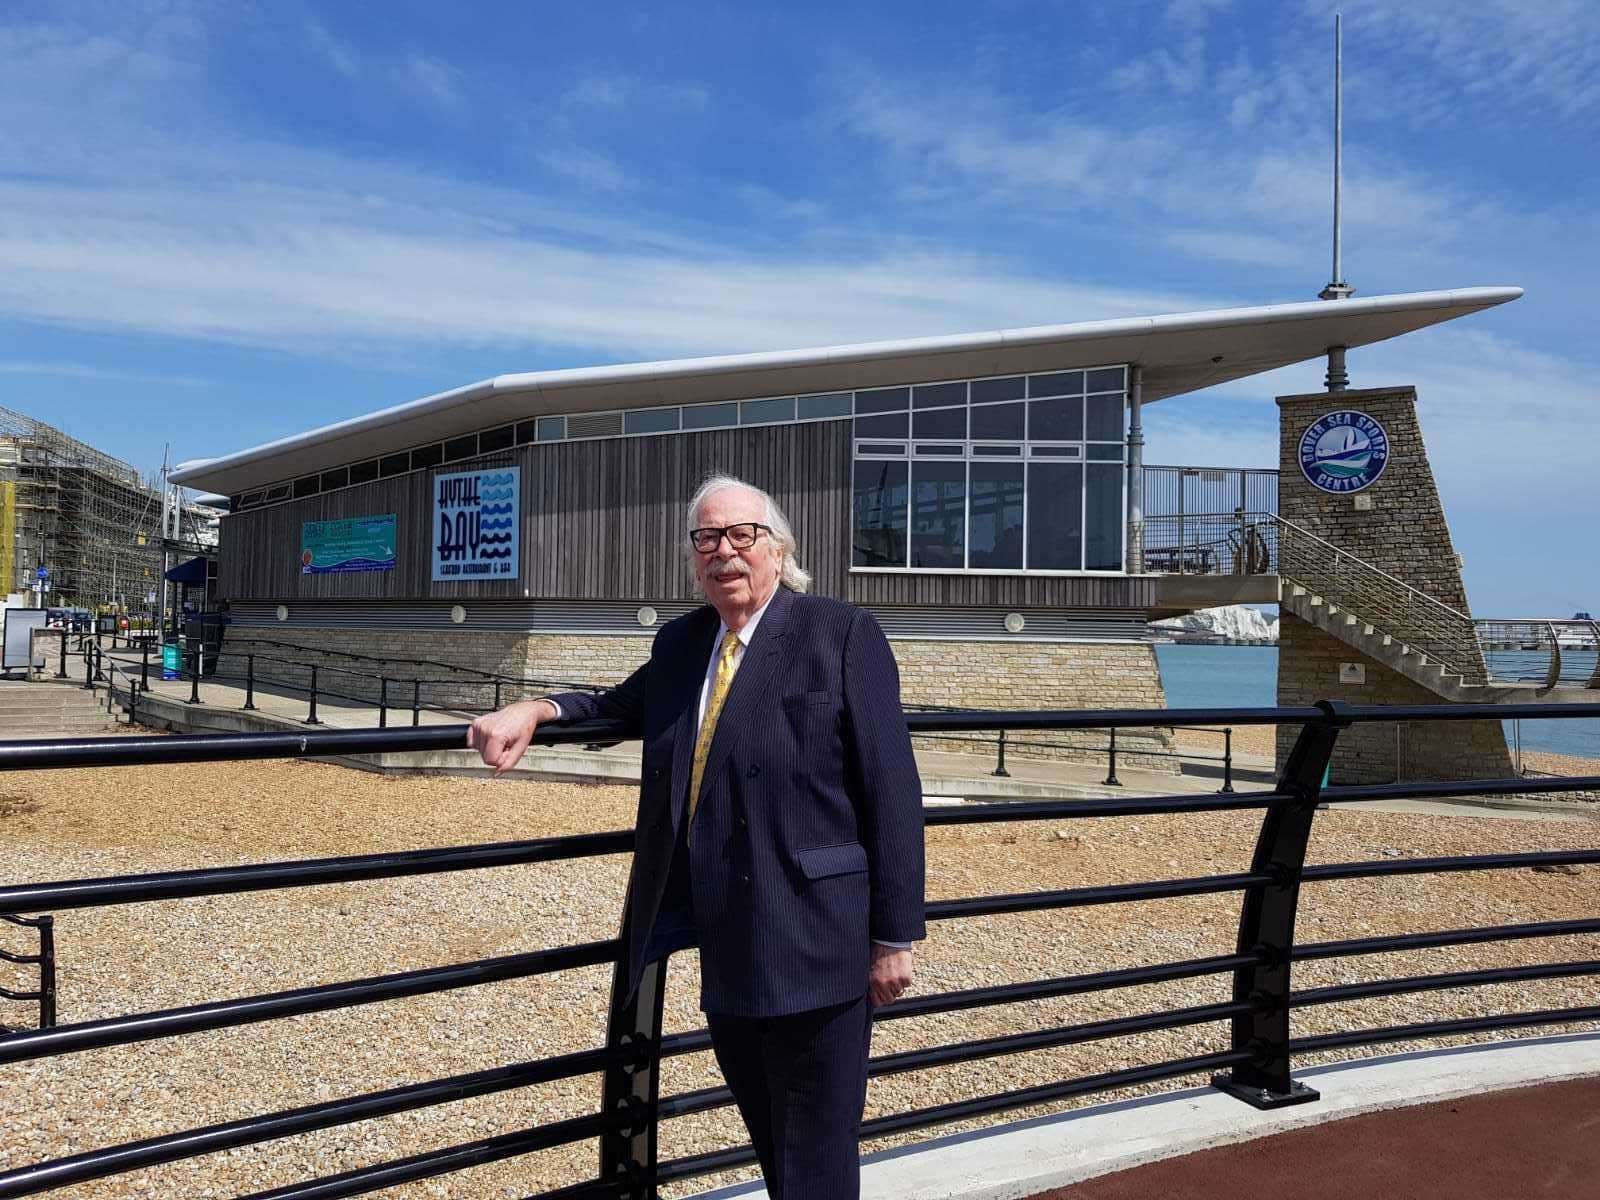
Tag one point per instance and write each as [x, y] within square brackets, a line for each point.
[744, 879]
[743, 824]
[753, 771]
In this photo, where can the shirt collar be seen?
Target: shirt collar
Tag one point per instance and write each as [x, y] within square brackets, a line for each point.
[749, 631]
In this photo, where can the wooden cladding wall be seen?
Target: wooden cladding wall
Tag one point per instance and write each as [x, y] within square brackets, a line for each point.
[603, 520]
[1011, 591]
[600, 519]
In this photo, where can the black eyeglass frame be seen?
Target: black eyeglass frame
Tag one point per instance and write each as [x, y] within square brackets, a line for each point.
[726, 531]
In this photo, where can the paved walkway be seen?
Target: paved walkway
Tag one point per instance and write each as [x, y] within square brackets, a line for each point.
[1531, 1142]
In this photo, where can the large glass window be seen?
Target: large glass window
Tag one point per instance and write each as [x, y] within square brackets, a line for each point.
[994, 520]
[1103, 524]
[879, 514]
[1055, 516]
[1020, 473]
[938, 514]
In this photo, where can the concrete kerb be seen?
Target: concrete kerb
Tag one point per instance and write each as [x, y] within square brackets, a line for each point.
[1025, 1158]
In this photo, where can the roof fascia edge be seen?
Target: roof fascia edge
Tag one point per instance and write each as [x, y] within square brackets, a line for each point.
[1133, 328]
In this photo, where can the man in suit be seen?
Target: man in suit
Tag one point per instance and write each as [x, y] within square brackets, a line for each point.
[779, 830]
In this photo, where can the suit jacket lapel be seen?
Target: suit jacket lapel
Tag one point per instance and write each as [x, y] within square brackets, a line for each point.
[690, 670]
[751, 682]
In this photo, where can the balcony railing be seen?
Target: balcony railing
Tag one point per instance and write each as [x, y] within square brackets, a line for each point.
[1256, 1065]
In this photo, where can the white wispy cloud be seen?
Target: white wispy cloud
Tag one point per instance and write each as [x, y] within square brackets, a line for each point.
[88, 371]
[587, 167]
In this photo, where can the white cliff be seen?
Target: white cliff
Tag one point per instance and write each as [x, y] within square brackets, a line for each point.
[1233, 623]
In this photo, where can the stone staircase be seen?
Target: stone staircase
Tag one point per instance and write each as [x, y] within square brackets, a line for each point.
[1415, 664]
[52, 710]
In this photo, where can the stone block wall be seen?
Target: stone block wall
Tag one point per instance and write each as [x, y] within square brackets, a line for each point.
[1403, 533]
[1308, 671]
[1041, 675]
[1010, 674]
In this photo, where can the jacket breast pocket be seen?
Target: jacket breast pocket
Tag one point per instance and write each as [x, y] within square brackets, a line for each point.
[804, 700]
[824, 862]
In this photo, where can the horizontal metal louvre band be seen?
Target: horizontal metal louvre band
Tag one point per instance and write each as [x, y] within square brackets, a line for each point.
[588, 425]
[622, 617]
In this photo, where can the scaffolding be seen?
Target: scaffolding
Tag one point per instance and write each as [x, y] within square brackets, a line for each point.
[87, 518]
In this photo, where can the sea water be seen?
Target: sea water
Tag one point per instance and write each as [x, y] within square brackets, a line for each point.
[1247, 676]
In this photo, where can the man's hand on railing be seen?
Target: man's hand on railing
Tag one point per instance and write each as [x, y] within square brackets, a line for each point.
[501, 738]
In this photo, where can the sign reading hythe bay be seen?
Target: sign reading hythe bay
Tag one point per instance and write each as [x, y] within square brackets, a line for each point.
[354, 544]
[475, 524]
[1344, 451]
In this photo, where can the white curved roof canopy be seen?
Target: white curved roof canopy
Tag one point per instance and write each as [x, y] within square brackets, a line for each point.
[1181, 352]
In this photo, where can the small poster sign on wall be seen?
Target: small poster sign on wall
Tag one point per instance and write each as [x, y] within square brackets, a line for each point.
[475, 524]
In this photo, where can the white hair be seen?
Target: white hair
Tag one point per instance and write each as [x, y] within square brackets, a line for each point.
[790, 573]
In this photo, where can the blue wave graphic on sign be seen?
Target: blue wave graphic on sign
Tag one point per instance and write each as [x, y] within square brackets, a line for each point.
[492, 510]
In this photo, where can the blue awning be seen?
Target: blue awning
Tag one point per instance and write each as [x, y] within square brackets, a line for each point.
[191, 573]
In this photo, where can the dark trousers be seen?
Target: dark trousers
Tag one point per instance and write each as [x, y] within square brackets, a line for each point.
[800, 1082]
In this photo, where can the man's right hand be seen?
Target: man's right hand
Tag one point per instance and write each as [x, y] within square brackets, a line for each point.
[501, 738]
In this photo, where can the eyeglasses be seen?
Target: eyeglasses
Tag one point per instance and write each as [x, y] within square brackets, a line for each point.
[741, 536]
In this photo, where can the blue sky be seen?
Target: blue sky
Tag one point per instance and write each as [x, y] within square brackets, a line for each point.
[224, 222]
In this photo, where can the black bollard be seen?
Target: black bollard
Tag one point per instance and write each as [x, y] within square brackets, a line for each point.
[383, 702]
[194, 676]
[1227, 761]
[1111, 775]
[61, 667]
[249, 681]
[416, 702]
[144, 665]
[311, 717]
[1000, 761]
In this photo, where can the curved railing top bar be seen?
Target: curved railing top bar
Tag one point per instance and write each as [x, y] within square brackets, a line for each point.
[1256, 1063]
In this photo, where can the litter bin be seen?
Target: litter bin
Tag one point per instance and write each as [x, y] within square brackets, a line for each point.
[171, 660]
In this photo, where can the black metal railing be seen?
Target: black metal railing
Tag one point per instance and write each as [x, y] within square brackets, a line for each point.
[1256, 1066]
[45, 960]
[447, 691]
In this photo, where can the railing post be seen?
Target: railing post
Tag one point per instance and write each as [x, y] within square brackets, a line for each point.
[88, 665]
[633, 1086]
[1266, 923]
[194, 676]
[133, 702]
[47, 972]
[1111, 774]
[99, 662]
[496, 695]
[1227, 761]
[416, 702]
[311, 717]
[144, 665]
[61, 667]
[1000, 760]
[383, 702]
[249, 682]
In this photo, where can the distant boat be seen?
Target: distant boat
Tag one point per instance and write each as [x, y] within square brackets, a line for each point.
[1578, 637]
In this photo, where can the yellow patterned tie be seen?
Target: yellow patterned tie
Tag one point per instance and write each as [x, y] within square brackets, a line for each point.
[708, 726]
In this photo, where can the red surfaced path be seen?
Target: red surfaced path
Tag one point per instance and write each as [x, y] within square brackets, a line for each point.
[1526, 1143]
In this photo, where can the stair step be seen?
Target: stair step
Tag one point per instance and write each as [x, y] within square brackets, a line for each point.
[1296, 591]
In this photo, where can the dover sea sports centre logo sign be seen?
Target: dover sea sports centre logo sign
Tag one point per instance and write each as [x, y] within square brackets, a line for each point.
[1344, 451]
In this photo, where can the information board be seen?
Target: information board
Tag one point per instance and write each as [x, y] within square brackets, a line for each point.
[353, 544]
[476, 523]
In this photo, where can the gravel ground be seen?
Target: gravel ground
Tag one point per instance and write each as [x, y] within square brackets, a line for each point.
[70, 824]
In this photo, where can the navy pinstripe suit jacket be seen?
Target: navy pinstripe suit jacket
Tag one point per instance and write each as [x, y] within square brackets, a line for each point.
[808, 835]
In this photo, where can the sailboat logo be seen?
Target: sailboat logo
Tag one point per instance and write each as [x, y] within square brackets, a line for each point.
[1344, 451]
